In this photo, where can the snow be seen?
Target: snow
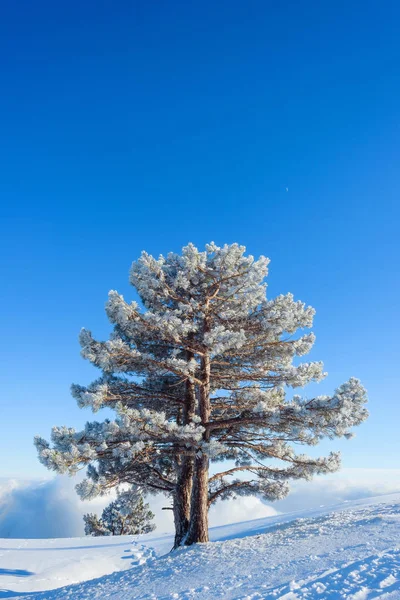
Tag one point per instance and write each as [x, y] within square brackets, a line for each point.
[35, 565]
[349, 551]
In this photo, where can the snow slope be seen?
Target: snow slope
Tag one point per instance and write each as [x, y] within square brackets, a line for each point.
[347, 551]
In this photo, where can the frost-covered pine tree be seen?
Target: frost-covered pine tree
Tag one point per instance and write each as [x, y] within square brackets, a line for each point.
[94, 526]
[127, 515]
[202, 373]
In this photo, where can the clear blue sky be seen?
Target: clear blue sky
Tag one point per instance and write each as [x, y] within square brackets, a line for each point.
[145, 125]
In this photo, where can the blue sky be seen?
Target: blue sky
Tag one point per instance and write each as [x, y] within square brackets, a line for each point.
[136, 125]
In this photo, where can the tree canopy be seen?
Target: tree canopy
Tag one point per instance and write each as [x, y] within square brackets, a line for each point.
[200, 370]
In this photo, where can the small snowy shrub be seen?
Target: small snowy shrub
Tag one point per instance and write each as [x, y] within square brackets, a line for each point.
[127, 515]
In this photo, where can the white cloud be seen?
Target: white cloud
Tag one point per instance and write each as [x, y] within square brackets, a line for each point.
[348, 484]
[241, 509]
[51, 508]
[43, 509]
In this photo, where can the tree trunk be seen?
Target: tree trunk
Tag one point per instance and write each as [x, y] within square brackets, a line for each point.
[198, 528]
[182, 501]
[183, 492]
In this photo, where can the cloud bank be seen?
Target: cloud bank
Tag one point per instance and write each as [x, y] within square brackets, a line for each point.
[349, 484]
[51, 508]
[43, 509]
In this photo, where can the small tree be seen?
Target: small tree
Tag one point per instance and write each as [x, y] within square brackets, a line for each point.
[127, 515]
[201, 372]
[94, 526]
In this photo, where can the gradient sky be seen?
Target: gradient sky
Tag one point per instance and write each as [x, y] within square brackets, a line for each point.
[146, 125]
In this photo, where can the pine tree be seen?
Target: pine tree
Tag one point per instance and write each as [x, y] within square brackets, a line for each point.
[202, 373]
[127, 515]
[94, 526]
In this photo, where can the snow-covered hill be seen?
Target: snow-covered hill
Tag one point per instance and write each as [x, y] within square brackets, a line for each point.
[348, 551]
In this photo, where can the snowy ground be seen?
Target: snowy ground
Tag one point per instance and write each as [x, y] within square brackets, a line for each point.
[348, 551]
